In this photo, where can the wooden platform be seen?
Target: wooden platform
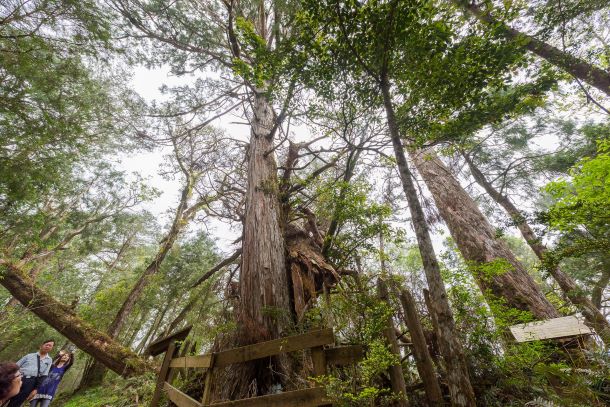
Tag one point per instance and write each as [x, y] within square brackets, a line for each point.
[322, 354]
[555, 328]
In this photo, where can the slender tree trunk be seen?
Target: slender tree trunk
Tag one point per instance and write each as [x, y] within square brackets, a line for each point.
[397, 378]
[435, 332]
[350, 165]
[451, 349]
[194, 300]
[578, 68]
[166, 244]
[423, 360]
[129, 335]
[63, 319]
[396, 375]
[478, 243]
[154, 327]
[95, 371]
[93, 375]
[601, 284]
[576, 295]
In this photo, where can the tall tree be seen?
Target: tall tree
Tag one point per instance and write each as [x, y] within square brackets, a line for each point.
[193, 153]
[370, 38]
[245, 40]
[590, 311]
[478, 242]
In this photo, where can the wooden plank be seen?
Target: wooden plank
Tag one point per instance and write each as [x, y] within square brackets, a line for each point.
[549, 329]
[178, 398]
[159, 346]
[192, 361]
[318, 357]
[344, 355]
[315, 396]
[163, 374]
[274, 347]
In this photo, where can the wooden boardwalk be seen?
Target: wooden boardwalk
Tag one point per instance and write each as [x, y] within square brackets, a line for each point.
[322, 353]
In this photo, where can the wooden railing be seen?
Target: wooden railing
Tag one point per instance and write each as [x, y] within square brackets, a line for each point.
[322, 356]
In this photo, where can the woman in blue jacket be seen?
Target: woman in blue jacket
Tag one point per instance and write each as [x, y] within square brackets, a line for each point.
[47, 389]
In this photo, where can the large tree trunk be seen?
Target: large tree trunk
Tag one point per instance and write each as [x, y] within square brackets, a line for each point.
[450, 347]
[265, 310]
[263, 286]
[578, 68]
[478, 243]
[63, 319]
[423, 360]
[590, 311]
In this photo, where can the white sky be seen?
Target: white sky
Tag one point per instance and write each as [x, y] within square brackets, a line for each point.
[147, 83]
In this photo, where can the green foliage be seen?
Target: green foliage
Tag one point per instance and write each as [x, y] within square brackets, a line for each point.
[359, 219]
[581, 207]
[116, 392]
[585, 200]
[358, 316]
[503, 372]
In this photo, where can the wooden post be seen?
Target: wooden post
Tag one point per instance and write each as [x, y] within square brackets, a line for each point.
[425, 367]
[180, 351]
[318, 357]
[169, 354]
[207, 387]
[397, 378]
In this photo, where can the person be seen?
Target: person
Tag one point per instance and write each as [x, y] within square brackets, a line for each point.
[34, 367]
[46, 390]
[10, 381]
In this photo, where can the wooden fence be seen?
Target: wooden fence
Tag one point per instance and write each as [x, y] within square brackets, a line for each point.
[322, 353]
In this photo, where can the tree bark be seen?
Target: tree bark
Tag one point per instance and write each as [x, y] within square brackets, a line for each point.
[569, 287]
[396, 375]
[578, 68]
[263, 280]
[601, 284]
[477, 241]
[265, 309]
[63, 319]
[93, 375]
[450, 347]
[423, 360]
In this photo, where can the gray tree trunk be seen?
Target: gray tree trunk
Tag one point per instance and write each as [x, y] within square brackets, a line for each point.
[575, 294]
[396, 375]
[423, 360]
[450, 347]
[477, 240]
